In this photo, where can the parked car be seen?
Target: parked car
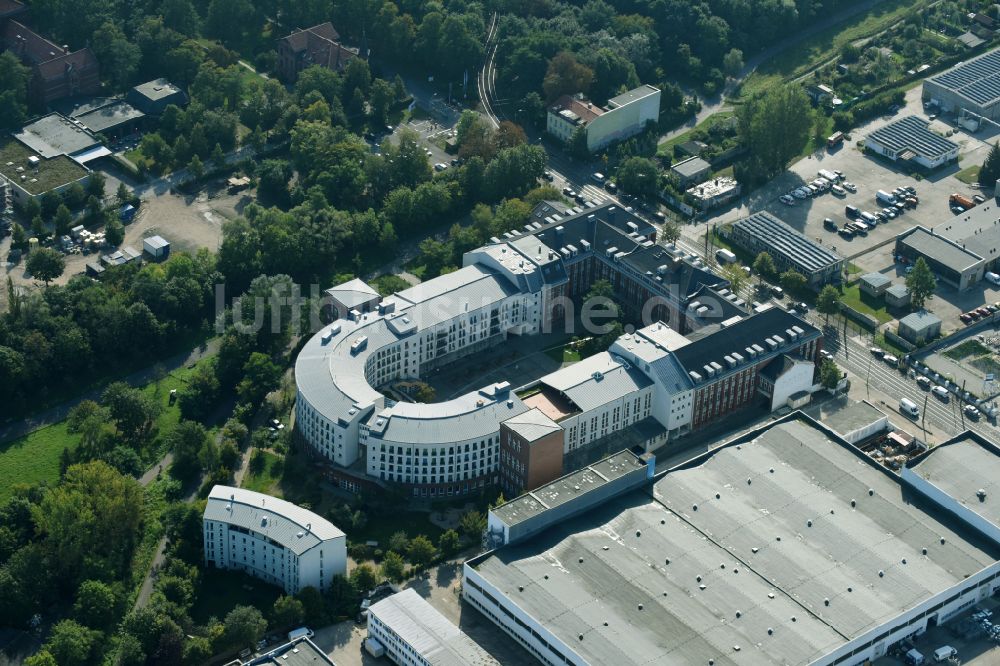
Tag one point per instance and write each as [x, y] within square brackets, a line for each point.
[941, 393]
[849, 186]
[846, 232]
[800, 193]
[966, 319]
[979, 198]
[840, 174]
[924, 383]
[567, 190]
[912, 190]
[547, 175]
[839, 191]
[829, 224]
[983, 312]
[972, 314]
[876, 351]
[777, 292]
[971, 412]
[787, 200]
[611, 186]
[890, 360]
[890, 213]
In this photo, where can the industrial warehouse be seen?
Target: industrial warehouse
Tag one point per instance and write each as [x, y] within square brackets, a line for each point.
[763, 232]
[972, 86]
[909, 140]
[785, 546]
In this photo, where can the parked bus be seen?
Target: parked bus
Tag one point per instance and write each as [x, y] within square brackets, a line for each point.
[835, 140]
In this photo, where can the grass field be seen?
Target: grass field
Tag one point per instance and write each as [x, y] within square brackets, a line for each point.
[862, 302]
[714, 119]
[34, 457]
[825, 45]
[565, 354]
[969, 175]
[267, 478]
[966, 349]
[380, 528]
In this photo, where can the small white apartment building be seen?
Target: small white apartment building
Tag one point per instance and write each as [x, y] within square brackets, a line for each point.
[271, 539]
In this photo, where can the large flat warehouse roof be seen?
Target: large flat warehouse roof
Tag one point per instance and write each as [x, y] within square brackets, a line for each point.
[777, 549]
[911, 133]
[977, 80]
[787, 242]
[940, 249]
[966, 468]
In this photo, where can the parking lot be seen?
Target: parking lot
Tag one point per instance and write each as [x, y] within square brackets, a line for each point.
[874, 251]
[976, 649]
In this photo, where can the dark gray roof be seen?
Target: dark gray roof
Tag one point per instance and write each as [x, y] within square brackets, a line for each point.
[977, 80]
[691, 167]
[54, 135]
[940, 249]
[110, 116]
[898, 290]
[785, 241]
[301, 652]
[911, 133]
[919, 320]
[875, 279]
[849, 419]
[736, 337]
[646, 578]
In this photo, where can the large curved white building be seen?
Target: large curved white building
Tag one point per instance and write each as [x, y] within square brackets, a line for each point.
[518, 285]
[272, 539]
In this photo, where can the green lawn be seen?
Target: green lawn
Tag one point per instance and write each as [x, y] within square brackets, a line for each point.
[969, 175]
[220, 590]
[714, 119]
[966, 349]
[380, 528]
[826, 45]
[34, 457]
[268, 477]
[861, 302]
[564, 354]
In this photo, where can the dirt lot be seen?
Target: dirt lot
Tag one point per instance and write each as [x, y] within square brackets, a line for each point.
[187, 221]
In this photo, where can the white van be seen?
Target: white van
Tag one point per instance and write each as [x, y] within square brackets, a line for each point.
[909, 408]
[944, 653]
[725, 256]
[884, 198]
[914, 657]
[301, 632]
[992, 277]
[869, 219]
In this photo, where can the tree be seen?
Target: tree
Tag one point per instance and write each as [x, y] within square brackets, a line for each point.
[921, 283]
[472, 524]
[363, 577]
[793, 281]
[272, 181]
[763, 266]
[775, 126]
[18, 237]
[46, 264]
[639, 176]
[195, 167]
[829, 374]
[244, 625]
[828, 301]
[670, 232]
[393, 566]
[14, 79]
[732, 62]
[990, 171]
[72, 644]
[96, 185]
[736, 275]
[118, 56]
[421, 550]
[95, 604]
[63, 219]
[448, 543]
[287, 611]
[398, 542]
[186, 442]
[132, 410]
[260, 376]
[198, 398]
[42, 658]
[123, 195]
[566, 76]
[114, 232]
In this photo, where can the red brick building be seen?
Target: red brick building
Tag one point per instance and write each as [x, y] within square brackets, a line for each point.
[56, 71]
[531, 452]
[318, 45]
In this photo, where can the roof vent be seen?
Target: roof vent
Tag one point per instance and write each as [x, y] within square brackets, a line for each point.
[981, 494]
[263, 521]
[300, 534]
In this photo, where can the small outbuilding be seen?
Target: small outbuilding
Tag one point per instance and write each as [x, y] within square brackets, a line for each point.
[153, 97]
[156, 247]
[691, 170]
[897, 296]
[874, 284]
[919, 327]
